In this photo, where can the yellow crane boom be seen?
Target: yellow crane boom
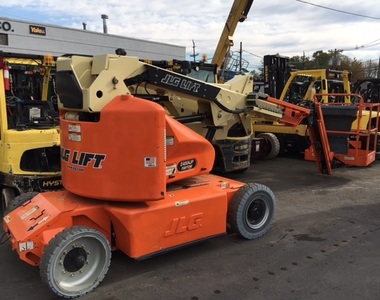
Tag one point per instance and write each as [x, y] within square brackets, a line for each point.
[238, 13]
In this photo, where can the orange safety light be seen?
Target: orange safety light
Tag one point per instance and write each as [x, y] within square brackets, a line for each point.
[49, 60]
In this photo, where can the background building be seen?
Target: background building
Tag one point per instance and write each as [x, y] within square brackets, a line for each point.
[39, 39]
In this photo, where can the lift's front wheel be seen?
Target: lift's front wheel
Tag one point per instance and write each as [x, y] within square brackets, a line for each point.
[75, 261]
[251, 211]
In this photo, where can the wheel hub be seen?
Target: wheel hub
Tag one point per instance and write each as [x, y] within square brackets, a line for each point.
[257, 214]
[75, 260]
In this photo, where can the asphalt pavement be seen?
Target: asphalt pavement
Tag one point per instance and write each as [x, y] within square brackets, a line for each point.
[324, 244]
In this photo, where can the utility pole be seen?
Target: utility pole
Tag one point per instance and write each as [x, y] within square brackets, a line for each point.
[303, 60]
[241, 57]
[194, 54]
[378, 69]
[369, 71]
[335, 60]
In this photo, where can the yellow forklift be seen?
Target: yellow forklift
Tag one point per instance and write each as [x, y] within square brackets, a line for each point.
[298, 88]
[29, 127]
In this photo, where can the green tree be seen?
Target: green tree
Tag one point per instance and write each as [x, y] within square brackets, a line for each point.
[257, 75]
[371, 69]
[335, 59]
[300, 62]
[321, 59]
[357, 70]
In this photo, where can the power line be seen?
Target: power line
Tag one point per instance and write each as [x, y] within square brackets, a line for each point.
[252, 54]
[371, 44]
[367, 45]
[338, 10]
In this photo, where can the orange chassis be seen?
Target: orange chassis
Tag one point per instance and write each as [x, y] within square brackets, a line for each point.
[140, 229]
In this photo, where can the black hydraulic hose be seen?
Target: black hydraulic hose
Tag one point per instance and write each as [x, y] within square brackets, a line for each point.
[192, 118]
[2, 240]
[138, 79]
[226, 109]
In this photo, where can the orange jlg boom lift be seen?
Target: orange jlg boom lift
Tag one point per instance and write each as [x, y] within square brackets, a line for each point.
[135, 179]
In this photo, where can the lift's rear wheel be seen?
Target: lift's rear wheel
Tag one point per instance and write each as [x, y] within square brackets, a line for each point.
[7, 195]
[251, 211]
[75, 261]
[19, 200]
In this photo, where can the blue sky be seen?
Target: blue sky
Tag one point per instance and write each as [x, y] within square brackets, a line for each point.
[286, 27]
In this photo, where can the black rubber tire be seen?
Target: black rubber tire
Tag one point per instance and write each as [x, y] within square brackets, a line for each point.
[75, 261]
[251, 211]
[274, 144]
[19, 200]
[7, 195]
[281, 141]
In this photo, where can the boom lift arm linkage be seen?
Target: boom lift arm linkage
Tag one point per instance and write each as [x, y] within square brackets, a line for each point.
[222, 111]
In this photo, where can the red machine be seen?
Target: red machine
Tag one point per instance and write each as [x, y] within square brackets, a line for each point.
[346, 132]
[135, 180]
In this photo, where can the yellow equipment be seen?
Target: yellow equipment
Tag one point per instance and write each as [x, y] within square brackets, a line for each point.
[299, 89]
[238, 13]
[48, 64]
[29, 144]
[221, 113]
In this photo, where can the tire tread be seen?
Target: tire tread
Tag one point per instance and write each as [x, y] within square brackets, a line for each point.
[236, 209]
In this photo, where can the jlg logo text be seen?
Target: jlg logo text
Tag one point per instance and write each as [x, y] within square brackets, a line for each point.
[184, 224]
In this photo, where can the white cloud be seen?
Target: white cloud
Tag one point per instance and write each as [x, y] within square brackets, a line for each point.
[287, 27]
